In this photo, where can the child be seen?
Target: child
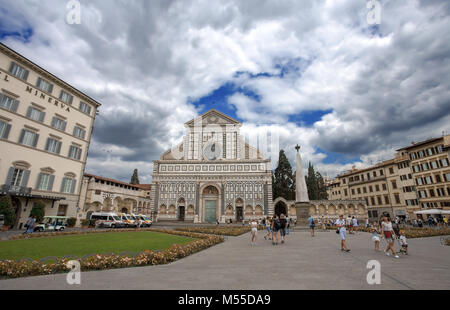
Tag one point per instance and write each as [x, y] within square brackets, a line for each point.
[403, 243]
[375, 237]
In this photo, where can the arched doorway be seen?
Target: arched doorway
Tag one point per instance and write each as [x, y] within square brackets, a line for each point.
[124, 210]
[239, 210]
[280, 208]
[210, 197]
[181, 209]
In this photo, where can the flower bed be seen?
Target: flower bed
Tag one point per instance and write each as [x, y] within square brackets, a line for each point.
[223, 231]
[24, 268]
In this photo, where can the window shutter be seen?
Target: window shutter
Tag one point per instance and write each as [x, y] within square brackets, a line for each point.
[15, 105]
[36, 138]
[1, 98]
[74, 184]
[29, 112]
[41, 117]
[22, 134]
[38, 83]
[53, 121]
[83, 134]
[62, 184]
[6, 132]
[39, 181]
[47, 145]
[58, 147]
[64, 126]
[50, 90]
[26, 176]
[10, 176]
[11, 67]
[25, 76]
[50, 182]
[70, 100]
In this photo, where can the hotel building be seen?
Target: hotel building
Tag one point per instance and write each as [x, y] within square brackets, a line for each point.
[45, 131]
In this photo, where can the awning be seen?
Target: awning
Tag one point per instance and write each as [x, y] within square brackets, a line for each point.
[433, 211]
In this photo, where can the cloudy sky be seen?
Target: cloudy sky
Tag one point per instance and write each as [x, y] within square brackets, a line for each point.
[314, 72]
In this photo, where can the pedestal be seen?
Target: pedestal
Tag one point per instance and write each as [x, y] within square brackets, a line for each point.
[196, 219]
[302, 210]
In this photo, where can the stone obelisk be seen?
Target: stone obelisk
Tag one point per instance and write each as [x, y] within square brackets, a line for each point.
[301, 192]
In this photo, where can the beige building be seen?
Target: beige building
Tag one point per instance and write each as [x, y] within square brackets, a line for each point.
[213, 175]
[417, 178]
[101, 194]
[429, 164]
[45, 131]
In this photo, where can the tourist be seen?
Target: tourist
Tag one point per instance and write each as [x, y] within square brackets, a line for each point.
[367, 222]
[388, 232]
[340, 223]
[267, 223]
[375, 237]
[283, 227]
[29, 225]
[312, 225]
[275, 227]
[430, 221]
[254, 226]
[445, 222]
[288, 227]
[403, 243]
[349, 223]
[355, 223]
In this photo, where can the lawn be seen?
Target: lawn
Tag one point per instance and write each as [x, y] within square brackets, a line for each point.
[79, 245]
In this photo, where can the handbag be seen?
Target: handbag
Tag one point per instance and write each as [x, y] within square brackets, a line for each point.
[337, 230]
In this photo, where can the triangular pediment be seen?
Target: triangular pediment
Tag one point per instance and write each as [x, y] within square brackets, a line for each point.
[214, 117]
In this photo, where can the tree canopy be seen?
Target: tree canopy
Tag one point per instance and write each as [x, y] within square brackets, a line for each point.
[283, 180]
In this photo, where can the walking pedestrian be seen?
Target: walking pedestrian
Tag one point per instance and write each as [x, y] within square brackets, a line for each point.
[275, 227]
[30, 225]
[268, 224]
[375, 238]
[340, 223]
[312, 225]
[355, 223]
[388, 232]
[283, 227]
[254, 226]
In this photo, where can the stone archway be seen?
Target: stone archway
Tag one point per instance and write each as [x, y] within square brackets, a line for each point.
[280, 208]
[210, 204]
[239, 210]
[124, 210]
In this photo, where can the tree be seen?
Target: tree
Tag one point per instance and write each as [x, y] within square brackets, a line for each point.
[38, 211]
[283, 181]
[6, 208]
[134, 177]
[316, 185]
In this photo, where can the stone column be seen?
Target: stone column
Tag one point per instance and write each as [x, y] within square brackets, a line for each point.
[301, 193]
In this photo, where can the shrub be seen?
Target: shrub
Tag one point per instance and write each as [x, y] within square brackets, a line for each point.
[38, 211]
[7, 210]
[71, 222]
[85, 222]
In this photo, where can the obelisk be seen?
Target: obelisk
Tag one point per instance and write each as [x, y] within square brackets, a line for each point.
[301, 192]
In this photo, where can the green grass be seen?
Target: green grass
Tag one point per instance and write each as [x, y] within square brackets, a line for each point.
[79, 245]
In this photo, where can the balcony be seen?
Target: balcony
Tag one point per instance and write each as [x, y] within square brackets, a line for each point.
[15, 190]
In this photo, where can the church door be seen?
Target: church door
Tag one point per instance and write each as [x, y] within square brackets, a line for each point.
[181, 215]
[239, 214]
[210, 211]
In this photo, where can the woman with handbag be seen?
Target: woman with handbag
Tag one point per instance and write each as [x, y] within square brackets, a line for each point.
[340, 223]
[388, 233]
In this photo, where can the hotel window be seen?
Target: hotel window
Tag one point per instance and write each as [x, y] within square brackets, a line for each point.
[394, 185]
[44, 85]
[17, 177]
[18, 71]
[381, 172]
[4, 130]
[68, 185]
[345, 192]
[35, 114]
[447, 177]
[374, 174]
[431, 192]
[65, 97]
[45, 182]
[75, 152]
[430, 151]
[28, 138]
[364, 190]
[353, 191]
[370, 188]
[8, 103]
[359, 190]
[439, 149]
[421, 154]
[416, 168]
[425, 166]
[53, 146]
[79, 132]
[85, 108]
[444, 162]
[62, 210]
[59, 124]
[372, 200]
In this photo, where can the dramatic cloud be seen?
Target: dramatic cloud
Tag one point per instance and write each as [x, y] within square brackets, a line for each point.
[376, 88]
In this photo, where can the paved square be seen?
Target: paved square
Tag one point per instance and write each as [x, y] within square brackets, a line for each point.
[302, 263]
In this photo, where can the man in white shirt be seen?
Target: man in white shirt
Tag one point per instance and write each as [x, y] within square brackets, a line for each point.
[340, 223]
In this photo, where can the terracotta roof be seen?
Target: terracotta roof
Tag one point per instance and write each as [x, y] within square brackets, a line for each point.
[110, 180]
[144, 186]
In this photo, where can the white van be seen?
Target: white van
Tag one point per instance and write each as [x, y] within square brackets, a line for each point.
[107, 220]
[127, 220]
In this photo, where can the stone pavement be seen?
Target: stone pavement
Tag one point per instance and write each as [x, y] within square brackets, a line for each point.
[302, 263]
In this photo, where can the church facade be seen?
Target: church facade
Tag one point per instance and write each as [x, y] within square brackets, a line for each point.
[212, 175]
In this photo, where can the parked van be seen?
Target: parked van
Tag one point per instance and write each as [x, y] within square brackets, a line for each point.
[145, 221]
[127, 220]
[107, 220]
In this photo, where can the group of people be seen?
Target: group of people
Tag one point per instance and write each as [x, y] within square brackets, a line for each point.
[277, 228]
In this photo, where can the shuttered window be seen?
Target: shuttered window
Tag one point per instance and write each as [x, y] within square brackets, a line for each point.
[79, 132]
[59, 124]
[4, 130]
[29, 138]
[18, 71]
[68, 185]
[44, 85]
[75, 152]
[65, 97]
[35, 114]
[85, 108]
[53, 146]
[8, 103]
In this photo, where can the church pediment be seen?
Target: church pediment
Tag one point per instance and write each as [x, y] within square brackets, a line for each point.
[214, 117]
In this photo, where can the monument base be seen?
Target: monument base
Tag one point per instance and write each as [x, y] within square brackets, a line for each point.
[302, 211]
